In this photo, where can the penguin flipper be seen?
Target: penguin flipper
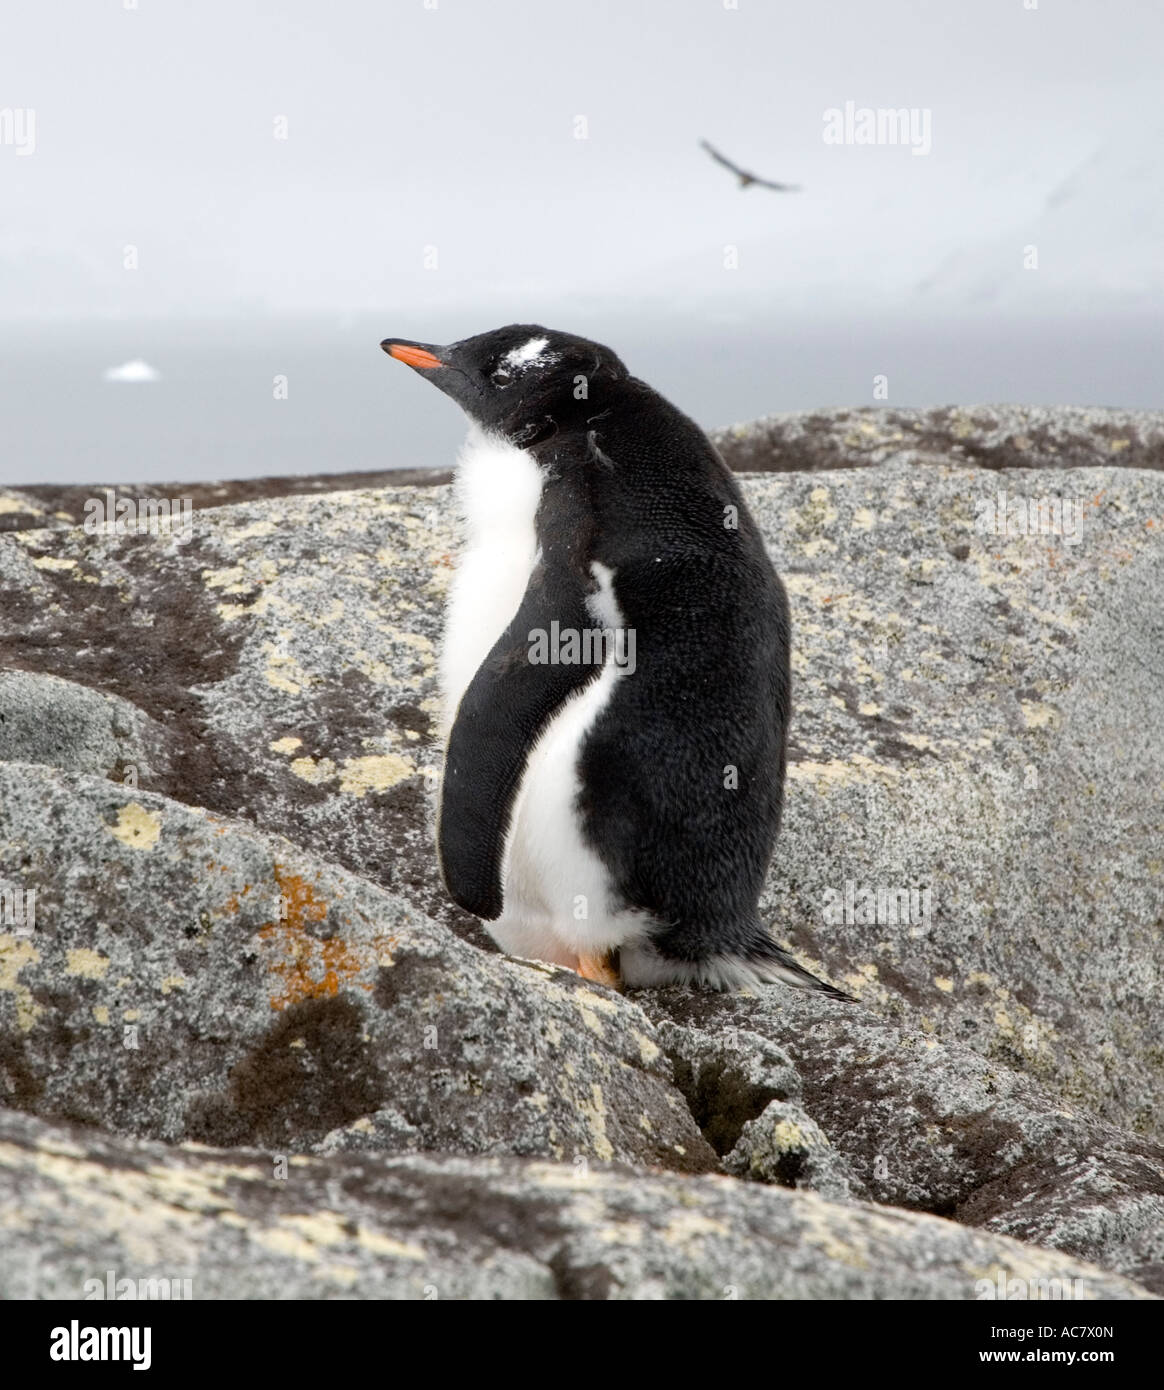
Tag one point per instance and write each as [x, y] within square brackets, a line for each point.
[503, 712]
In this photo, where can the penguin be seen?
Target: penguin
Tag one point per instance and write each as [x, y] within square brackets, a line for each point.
[615, 673]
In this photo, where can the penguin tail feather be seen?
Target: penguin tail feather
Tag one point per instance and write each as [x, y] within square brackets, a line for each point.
[757, 961]
[769, 962]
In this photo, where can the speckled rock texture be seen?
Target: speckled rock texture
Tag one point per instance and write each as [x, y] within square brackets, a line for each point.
[911, 1122]
[190, 978]
[972, 840]
[434, 1227]
[44, 719]
[785, 1145]
[979, 436]
[217, 773]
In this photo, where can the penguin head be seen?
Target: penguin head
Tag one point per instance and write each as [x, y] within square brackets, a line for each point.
[524, 382]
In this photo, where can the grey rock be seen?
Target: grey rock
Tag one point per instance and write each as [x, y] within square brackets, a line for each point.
[936, 1127]
[974, 744]
[785, 1145]
[1102, 1198]
[44, 719]
[288, 648]
[981, 436]
[742, 1091]
[21, 510]
[384, 1131]
[728, 1077]
[78, 1204]
[187, 977]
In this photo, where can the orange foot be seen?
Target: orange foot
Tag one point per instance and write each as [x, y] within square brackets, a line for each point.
[600, 969]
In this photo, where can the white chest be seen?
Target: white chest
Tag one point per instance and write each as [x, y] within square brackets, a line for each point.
[498, 489]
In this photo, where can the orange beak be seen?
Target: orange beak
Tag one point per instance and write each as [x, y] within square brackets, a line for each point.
[414, 356]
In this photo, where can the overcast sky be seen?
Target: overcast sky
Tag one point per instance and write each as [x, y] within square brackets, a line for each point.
[453, 126]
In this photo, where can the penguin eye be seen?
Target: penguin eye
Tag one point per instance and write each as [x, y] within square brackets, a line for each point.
[501, 377]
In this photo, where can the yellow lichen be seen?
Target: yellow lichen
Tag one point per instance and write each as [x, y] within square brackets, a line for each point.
[374, 774]
[91, 965]
[15, 954]
[137, 827]
[312, 771]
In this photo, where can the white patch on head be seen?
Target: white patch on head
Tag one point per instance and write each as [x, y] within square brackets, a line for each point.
[497, 490]
[530, 354]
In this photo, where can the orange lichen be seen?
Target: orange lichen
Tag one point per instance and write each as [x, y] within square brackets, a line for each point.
[306, 966]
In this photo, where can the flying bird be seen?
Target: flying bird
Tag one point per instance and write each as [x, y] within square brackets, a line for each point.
[746, 179]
